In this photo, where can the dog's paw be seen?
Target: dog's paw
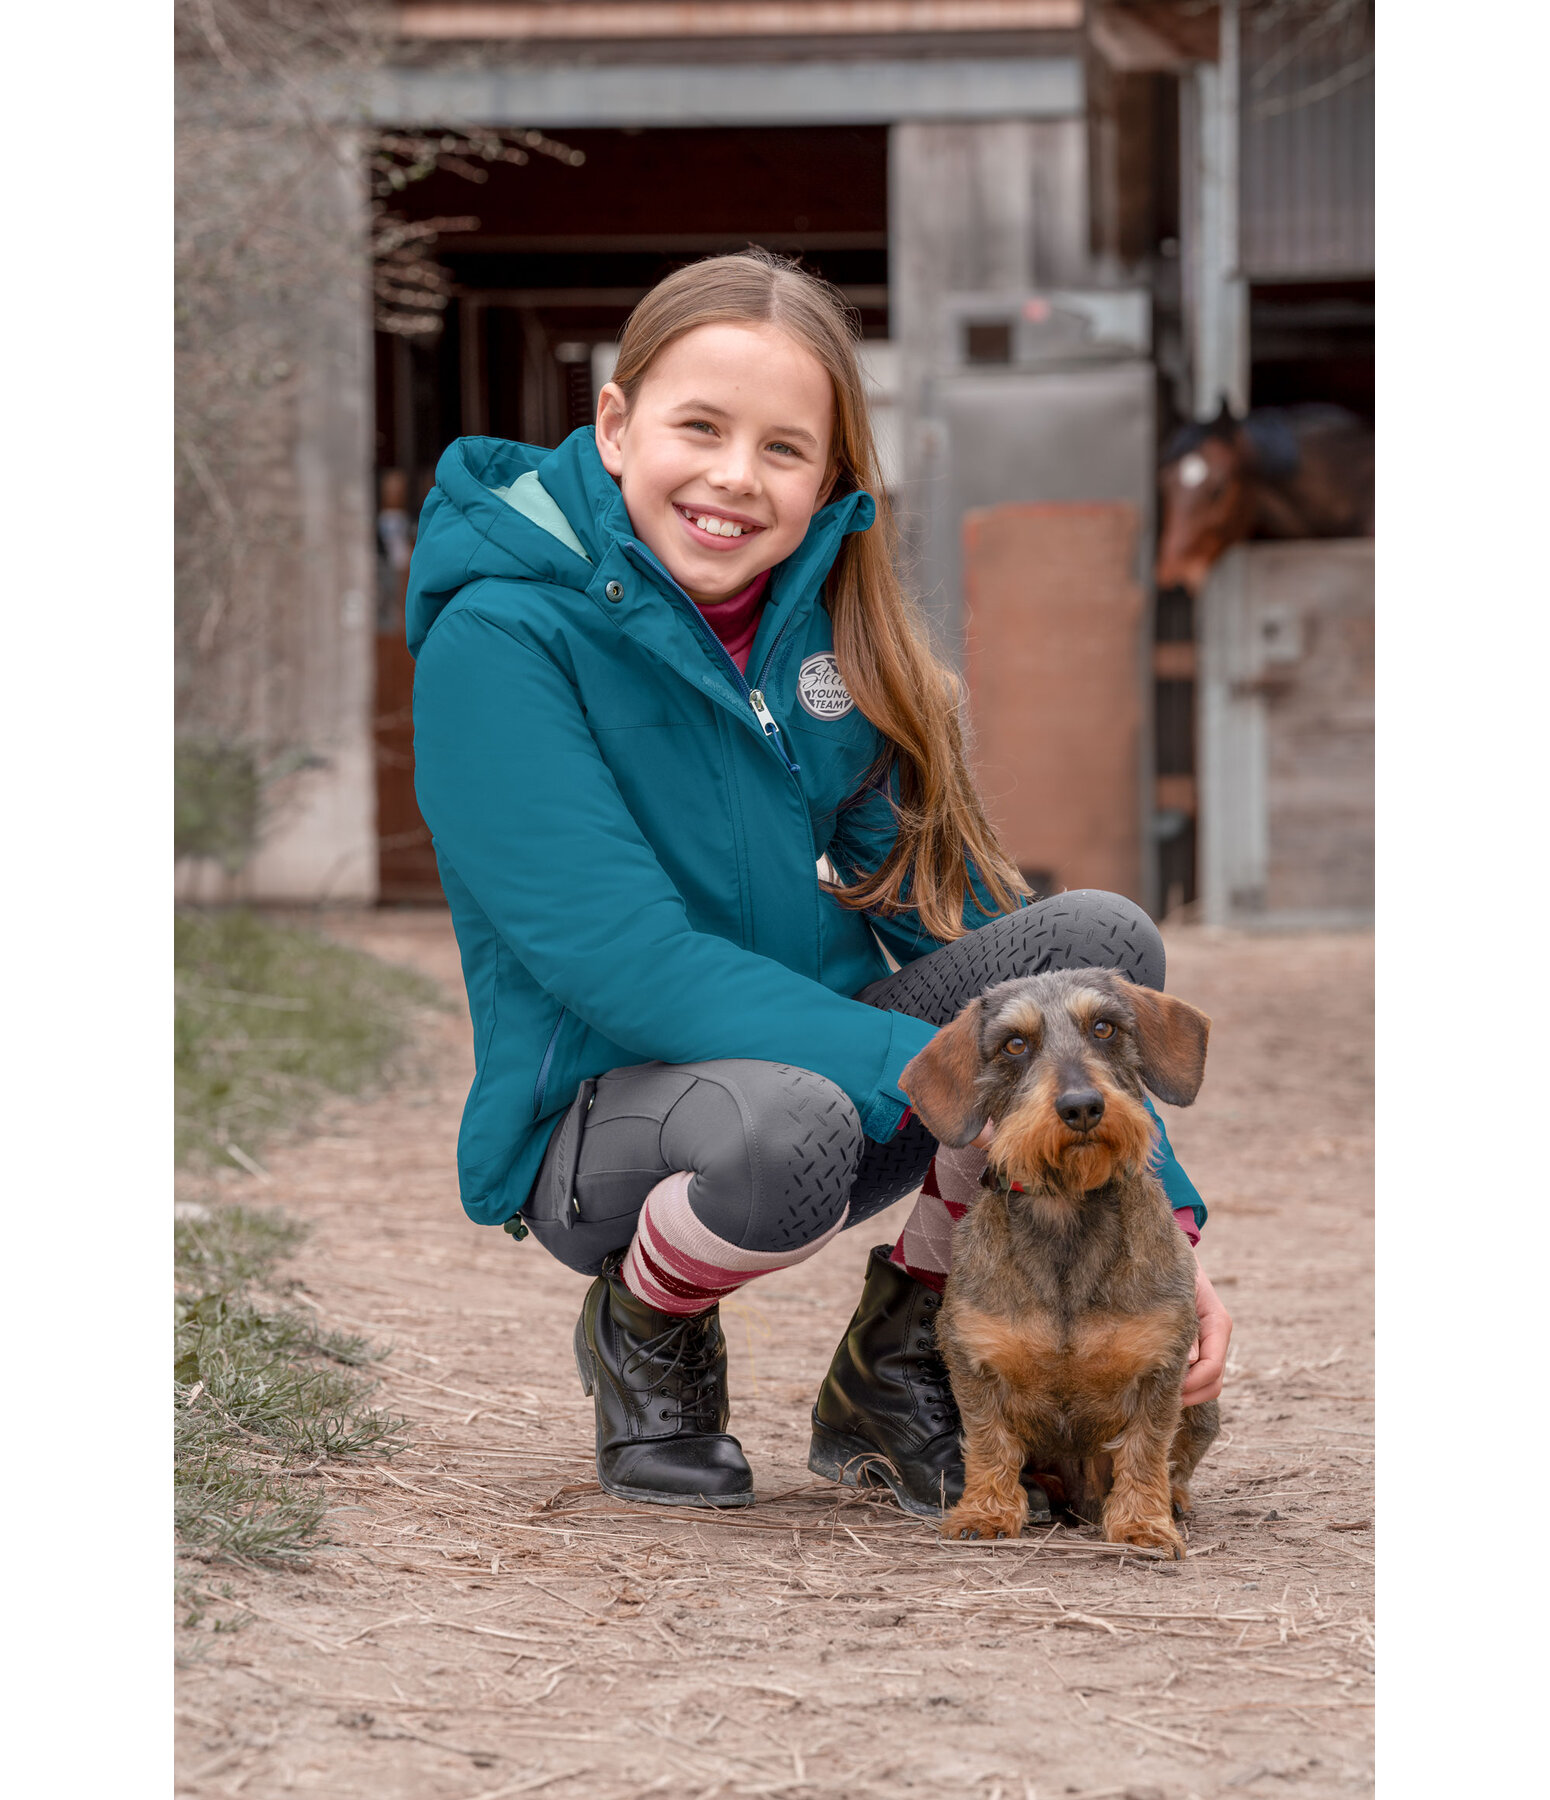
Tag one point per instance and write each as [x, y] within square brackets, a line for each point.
[985, 1521]
[1182, 1509]
[1146, 1534]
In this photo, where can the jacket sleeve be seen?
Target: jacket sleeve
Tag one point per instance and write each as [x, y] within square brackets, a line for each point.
[865, 835]
[1181, 1191]
[520, 802]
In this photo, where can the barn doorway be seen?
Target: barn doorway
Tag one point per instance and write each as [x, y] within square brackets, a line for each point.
[558, 258]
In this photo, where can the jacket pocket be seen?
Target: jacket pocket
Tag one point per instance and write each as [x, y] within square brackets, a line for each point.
[486, 1018]
[541, 1085]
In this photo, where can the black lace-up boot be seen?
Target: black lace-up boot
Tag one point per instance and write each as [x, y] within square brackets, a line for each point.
[885, 1413]
[659, 1382]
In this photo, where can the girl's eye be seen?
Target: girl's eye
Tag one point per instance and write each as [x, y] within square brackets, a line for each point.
[1103, 1029]
[786, 449]
[1015, 1046]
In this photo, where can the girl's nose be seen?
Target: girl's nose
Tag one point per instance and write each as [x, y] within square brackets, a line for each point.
[737, 469]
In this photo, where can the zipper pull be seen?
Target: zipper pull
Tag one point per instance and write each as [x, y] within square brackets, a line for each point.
[770, 728]
[762, 713]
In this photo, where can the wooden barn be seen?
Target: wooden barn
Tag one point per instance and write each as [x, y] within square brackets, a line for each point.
[1066, 228]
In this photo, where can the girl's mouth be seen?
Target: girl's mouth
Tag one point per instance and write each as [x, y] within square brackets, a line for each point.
[714, 530]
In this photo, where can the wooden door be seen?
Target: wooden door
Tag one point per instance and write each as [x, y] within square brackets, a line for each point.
[406, 863]
[1053, 658]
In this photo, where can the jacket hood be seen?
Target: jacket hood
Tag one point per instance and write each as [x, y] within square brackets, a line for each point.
[565, 515]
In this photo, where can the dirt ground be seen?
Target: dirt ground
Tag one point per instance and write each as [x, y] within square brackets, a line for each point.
[488, 1624]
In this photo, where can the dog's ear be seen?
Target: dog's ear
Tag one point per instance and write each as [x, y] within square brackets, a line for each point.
[1172, 1035]
[941, 1081]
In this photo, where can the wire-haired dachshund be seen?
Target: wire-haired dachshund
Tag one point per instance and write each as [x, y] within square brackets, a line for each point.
[1070, 1310]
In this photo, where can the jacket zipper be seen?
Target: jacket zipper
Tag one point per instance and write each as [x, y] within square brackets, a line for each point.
[769, 655]
[767, 721]
[756, 699]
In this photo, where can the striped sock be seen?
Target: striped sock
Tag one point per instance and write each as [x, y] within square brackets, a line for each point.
[925, 1246]
[676, 1265]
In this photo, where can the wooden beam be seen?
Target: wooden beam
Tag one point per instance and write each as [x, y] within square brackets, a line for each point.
[1173, 661]
[1176, 793]
[639, 20]
[1152, 37]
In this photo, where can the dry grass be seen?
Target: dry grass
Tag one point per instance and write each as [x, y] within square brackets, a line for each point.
[269, 1019]
[258, 1390]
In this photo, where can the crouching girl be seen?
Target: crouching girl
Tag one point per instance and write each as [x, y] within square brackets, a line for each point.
[662, 671]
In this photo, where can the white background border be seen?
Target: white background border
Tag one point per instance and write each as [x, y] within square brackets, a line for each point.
[1464, 655]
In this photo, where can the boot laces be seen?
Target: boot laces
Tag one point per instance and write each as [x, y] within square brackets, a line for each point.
[928, 1371]
[687, 1349]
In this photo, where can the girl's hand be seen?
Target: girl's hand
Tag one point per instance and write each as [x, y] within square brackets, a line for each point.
[1208, 1359]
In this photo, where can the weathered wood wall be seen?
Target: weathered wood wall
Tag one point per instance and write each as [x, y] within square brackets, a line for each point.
[1286, 734]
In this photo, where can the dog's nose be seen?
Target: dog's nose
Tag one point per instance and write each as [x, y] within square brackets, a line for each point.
[1080, 1109]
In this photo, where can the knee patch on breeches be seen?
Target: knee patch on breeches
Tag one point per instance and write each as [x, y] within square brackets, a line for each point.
[772, 1149]
[1087, 929]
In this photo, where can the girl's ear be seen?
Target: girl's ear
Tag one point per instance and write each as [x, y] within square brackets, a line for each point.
[941, 1081]
[613, 412]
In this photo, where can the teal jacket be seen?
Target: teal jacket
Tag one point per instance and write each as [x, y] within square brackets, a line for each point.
[628, 830]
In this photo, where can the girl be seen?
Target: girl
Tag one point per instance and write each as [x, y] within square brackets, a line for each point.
[662, 671]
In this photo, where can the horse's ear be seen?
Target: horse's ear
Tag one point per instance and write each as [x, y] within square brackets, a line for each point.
[1226, 421]
[941, 1081]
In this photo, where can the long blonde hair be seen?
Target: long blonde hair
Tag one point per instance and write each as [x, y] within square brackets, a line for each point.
[880, 642]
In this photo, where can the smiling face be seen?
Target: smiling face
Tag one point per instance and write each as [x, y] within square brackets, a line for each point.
[724, 456]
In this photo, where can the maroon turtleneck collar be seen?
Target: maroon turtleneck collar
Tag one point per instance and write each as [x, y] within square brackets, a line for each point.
[736, 620]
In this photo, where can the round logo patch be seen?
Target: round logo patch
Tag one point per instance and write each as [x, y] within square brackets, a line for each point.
[820, 688]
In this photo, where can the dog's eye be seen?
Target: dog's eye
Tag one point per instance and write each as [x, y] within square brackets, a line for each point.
[1103, 1029]
[1015, 1046]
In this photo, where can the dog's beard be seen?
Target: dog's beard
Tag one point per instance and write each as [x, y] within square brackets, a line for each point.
[1035, 1148]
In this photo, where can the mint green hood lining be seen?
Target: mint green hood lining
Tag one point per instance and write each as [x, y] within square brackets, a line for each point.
[528, 495]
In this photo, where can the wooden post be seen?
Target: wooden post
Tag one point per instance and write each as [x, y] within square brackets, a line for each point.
[1215, 294]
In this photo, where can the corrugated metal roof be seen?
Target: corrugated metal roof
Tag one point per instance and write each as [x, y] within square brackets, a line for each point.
[1306, 112]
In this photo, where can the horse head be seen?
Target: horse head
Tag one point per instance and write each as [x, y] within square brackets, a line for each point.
[1207, 499]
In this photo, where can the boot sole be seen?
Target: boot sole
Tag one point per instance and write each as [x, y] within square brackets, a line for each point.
[586, 1369]
[854, 1463]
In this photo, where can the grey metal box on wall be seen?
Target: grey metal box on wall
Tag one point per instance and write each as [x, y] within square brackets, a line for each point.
[1003, 435]
[1286, 735]
[1045, 436]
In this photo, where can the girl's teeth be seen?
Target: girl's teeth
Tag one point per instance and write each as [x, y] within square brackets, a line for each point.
[718, 527]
